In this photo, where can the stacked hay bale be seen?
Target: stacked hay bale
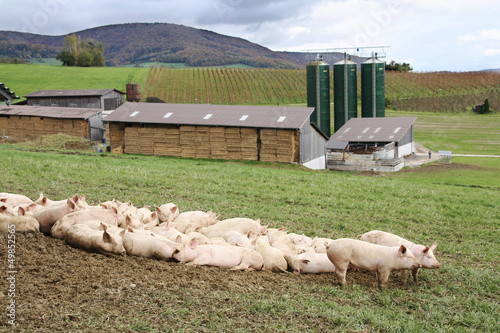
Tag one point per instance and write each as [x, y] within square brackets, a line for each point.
[218, 148]
[233, 143]
[249, 146]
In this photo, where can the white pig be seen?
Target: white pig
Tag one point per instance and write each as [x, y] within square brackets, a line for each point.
[51, 214]
[238, 239]
[167, 212]
[371, 257]
[14, 199]
[148, 246]
[228, 256]
[242, 225]
[274, 260]
[310, 262]
[7, 209]
[194, 220]
[22, 223]
[424, 254]
[83, 237]
[108, 216]
[278, 238]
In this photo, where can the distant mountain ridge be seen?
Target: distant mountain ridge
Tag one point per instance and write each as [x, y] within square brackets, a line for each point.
[133, 43]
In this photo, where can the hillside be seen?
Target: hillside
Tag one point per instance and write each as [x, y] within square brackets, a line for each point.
[134, 43]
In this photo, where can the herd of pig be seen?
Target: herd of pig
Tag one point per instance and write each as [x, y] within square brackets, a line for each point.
[199, 238]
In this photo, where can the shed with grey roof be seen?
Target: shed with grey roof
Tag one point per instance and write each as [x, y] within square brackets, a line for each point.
[104, 99]
[378, 144]
[24, 122]
[241, 132]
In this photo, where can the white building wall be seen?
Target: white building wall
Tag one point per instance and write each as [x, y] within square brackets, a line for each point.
[405, 150]
[316, 164]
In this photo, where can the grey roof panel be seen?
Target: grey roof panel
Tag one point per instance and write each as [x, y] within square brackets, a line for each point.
[336, 145]
[71, 93]
[212, 115]
[8, 92]
[374, 129]
[48, 111]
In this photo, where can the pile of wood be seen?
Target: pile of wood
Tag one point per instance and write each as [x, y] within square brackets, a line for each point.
[27, 128]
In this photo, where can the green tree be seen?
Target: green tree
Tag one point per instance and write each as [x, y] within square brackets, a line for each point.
[77, 52]
[395, 66]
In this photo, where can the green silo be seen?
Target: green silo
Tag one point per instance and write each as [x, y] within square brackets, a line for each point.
[318, 94]
[373, 88]
[345, 94]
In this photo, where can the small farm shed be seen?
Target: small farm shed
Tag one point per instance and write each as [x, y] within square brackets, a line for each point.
[22, 122]
[371, 144]
[236, 132]
[6, 95]
[104, 99]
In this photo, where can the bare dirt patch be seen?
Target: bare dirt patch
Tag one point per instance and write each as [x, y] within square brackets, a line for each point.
[60, 288]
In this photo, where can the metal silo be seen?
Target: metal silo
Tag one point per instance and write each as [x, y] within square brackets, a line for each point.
[318, 93]
[373, 88]
[345, 103]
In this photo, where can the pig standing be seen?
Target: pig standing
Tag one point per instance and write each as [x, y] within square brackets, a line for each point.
[228, 256]
[424, 254]
[371, 257]
[310, 263]
[83, 237]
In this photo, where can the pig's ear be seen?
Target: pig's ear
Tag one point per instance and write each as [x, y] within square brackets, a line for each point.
[402, 249]
[173, 210]
[75, 197]
[178, 239]
[305, 261]
[122, 233]
[106, 237]
[154, 215]
[425, 250]
[193, 244]
[433, 247]
[130, 229]
[21, 211]
[102, 226]
[128, 220]
[114, 210]
[44, 201]
[71, 203]
[4, 200]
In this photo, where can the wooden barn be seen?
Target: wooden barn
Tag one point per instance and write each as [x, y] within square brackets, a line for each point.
[23, 122]
[6, 95]
[371, 144]
[235, 132]
[104, 99]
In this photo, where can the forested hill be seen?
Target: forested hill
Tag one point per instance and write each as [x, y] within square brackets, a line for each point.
[134, 43]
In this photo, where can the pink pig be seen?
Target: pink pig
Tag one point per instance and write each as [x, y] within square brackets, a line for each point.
[229, 256]
[424, 254]
[371, 257]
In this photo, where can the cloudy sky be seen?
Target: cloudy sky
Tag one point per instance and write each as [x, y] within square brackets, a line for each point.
[456, 35]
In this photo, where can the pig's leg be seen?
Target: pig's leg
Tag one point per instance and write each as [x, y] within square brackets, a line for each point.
[383, 277]
[340, 271]
[414, 272]
[404, 276]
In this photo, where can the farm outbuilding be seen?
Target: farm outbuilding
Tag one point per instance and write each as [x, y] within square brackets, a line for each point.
[24, 122]
[236, 132]
[104, 99]
[6, 95]
[371, 144]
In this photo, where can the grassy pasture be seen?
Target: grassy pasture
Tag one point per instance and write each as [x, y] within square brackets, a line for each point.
[455, 205]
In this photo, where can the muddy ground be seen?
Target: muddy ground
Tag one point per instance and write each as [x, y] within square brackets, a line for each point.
[60, 288]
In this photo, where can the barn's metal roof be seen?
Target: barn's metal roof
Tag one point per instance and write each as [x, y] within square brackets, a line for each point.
[7, 93]
[47, 111]
[212, 115]
[374, 129]
[71, 93]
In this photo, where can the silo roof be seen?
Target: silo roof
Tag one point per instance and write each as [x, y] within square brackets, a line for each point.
[48, 111]
[71, 92]
[374, 129]
[212, 115]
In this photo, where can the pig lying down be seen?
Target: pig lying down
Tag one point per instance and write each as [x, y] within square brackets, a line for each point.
[372, 257]
[228, 256]
[424, 254]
